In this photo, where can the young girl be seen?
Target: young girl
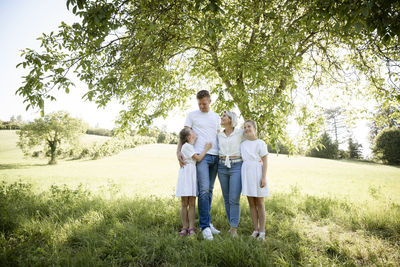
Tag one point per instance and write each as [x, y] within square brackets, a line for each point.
[187, 182]
[254, 177]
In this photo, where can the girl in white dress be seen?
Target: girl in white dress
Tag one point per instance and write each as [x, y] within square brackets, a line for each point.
[254, 177]
[187, 183]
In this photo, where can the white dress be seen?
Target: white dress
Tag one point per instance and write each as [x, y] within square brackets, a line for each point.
[252, 152]
[187, 182]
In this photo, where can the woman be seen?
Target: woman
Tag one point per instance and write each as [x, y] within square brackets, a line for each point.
[229, 168]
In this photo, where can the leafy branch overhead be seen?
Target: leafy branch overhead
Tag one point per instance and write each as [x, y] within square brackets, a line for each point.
[147, 54]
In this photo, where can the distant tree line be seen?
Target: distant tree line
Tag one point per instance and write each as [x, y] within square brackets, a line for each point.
[15, 123]
[329, 149]
[161, 136]
[384, 137]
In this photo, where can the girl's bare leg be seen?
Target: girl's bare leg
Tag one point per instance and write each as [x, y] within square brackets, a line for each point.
[192, 211]
[253, 212]
[184, 211]
[261, 213]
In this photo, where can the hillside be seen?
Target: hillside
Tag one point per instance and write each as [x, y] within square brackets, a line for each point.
[152, 170]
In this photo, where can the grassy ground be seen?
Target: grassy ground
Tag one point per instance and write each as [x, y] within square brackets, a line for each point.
[121, 211]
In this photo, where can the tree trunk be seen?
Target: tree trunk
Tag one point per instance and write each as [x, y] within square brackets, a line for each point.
[53, 147]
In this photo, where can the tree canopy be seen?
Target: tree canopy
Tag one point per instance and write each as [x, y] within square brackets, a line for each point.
[150, 54]
[49, 133]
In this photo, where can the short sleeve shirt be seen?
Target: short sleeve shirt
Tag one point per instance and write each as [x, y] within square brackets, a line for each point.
[205, 125]
[188, 151]
[253, 150]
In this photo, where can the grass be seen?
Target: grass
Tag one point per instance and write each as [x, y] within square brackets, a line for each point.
[120, 211]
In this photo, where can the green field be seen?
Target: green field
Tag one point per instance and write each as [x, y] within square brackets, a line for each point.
[121, 210]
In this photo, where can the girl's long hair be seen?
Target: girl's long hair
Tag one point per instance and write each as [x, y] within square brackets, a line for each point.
[183, 135]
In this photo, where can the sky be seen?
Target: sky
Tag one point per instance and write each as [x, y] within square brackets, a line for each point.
[22, 22]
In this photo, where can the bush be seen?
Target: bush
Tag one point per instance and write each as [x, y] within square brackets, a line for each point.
[99, 131]
[278, 149]
[36, 154]
[328, 149]
[343, 154]
[162, 137]
[143, 140]
[387, 146]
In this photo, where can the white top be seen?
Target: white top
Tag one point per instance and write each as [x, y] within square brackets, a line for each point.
[230, 145]
[187, 181]
[253, 150]
[205, 125]
[188, 151]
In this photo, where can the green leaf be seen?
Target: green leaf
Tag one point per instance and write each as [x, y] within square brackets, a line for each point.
[358, 26]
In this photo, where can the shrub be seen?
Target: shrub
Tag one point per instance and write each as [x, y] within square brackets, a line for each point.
[99, 131]
[343, 154]
[36, 154]
[328, 149]
[143, 140]
[278, 149]
[162, 137]
[387, 146]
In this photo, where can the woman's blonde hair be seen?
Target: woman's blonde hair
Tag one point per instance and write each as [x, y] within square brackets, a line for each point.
[232, 115]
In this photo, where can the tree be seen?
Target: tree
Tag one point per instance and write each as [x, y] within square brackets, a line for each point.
[387, 145]
[335, 123]
[354, 149]
[327, 149]
[385, 117]
[50, 132]
[148, 54]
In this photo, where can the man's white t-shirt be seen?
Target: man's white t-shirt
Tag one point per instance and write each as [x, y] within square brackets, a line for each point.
[205, 125]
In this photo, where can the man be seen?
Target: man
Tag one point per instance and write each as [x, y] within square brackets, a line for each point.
[206, 125]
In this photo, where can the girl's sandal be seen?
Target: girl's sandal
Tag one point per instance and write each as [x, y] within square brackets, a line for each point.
[191, 232]
[183, 232]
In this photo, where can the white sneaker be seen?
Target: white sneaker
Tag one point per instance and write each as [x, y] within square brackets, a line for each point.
[254, 234]
[207, 234]
[261, 236]
[213, 230]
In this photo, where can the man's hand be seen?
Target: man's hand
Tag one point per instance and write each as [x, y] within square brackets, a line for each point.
[179, 155]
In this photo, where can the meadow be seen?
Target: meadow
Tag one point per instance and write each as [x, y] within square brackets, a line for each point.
[121, 211]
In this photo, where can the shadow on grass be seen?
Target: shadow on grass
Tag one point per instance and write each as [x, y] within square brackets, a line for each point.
[66, 227]
[20, 166]
[367, 163]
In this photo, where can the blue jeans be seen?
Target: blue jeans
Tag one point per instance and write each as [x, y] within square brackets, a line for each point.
[206, 171]
[231, 185]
